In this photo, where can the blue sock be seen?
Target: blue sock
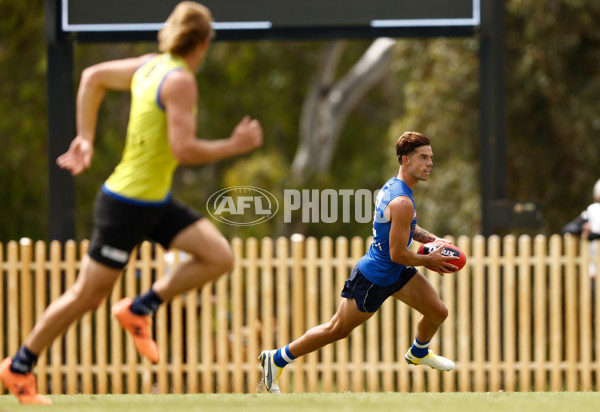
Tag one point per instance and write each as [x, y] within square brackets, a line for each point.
[283, 356]
[146, 304]
[23, 361]
[418, 349]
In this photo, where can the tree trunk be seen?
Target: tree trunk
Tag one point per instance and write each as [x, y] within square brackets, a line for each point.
[328, 103]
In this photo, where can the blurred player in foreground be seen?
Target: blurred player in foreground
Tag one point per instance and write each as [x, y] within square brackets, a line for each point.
[135, 202]
[387, 269]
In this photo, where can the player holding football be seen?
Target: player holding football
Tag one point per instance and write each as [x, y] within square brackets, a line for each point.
[387, 269]
[135, 202]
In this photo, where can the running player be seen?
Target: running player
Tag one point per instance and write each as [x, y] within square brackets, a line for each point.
[387, 269]
[135, 202]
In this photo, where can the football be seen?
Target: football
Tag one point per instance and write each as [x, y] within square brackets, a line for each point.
[449, 250]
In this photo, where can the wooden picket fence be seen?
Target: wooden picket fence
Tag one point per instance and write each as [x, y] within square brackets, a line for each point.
[522, 317]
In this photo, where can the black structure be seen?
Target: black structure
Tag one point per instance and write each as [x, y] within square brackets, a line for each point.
[61, 124]
[118, 20]
[68, 21]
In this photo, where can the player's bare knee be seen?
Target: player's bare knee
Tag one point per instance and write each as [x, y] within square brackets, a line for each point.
[436, 314]
[440, 314]
[229, 259]
[220, 258]
[85, 301]
[95, 303]
[224, 259]
[337, 331]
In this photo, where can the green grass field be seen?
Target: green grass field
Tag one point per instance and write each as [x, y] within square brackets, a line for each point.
[341, 402]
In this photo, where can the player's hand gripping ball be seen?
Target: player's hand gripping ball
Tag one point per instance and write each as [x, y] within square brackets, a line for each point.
[448, 250]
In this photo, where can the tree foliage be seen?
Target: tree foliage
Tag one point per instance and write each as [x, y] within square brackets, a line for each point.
[552, 107]
[440, 100]
[23, 198]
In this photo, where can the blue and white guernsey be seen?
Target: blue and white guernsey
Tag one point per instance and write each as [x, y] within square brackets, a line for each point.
[376, 264]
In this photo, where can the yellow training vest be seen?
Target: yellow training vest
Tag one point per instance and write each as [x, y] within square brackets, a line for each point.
[145, 172]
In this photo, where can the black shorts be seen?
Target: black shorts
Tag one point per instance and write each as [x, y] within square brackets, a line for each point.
[369, 296]
[120, 226]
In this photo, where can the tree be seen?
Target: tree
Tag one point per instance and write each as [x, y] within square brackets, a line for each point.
[553, 109]
[440, 97]
[328, 103]
[23, 204]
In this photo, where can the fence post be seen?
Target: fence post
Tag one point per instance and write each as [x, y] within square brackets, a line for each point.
[494, 315]
[327, 310]
[144, 276]
[404, 338]
[341, 274]
[223, 328]
[191, 336]
[387, 345]
[540, 309]
[283, 299]
[71, 349]
[237, 316]
[269, 324]
[164, 264]
[206, 330]
[509, 316]
[556, 334]
[298, 307]
[357, 337]
[464, 327]
[478, 297]
[131, 357]
[252, 313]
[86, 339]
[12, 298]
[432, 382]
[525, 311]
[41, 288]
[312, 309]
[586, 340]
[447, 337]
[26, 287]
[571, 305]
[116, 344]
[56, 280]
[372, 336]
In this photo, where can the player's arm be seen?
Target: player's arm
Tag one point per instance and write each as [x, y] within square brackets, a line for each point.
[423, 236]
[95, 80]
[179, 96]
[401, 212]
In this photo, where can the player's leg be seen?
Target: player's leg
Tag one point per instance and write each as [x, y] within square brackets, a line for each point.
[339, 327]
[362, 298]
[419, 294]
[181, 228]
[211, 258]
[93, 284]
[347, 317]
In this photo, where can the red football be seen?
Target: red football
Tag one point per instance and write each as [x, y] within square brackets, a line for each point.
[449, 250]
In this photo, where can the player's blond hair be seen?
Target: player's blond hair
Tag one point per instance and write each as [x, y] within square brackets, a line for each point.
[188, 25]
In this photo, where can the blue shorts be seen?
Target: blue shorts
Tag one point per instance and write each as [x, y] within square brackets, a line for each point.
[369, 296]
